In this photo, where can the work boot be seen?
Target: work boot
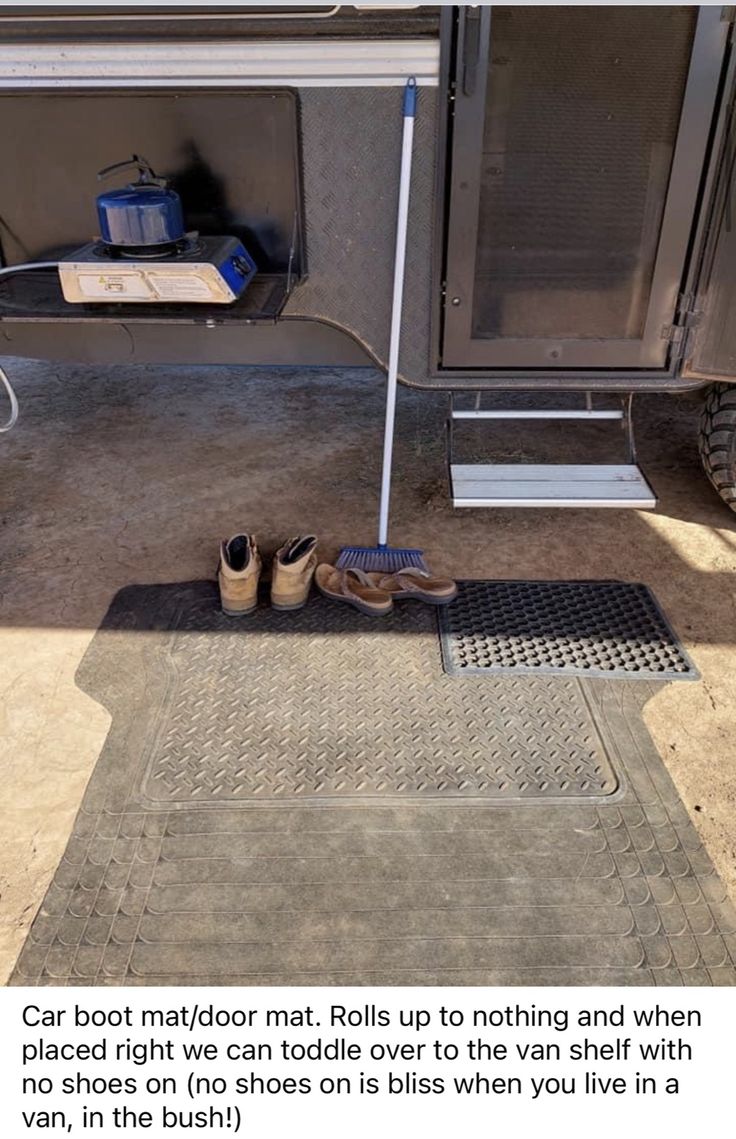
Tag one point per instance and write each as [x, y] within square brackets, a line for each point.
[292, 572]
[238, 574]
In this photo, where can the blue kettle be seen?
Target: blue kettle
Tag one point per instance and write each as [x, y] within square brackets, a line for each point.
[144, 214]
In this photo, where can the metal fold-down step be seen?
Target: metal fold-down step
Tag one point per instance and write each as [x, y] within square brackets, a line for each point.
[530, 485]
[549, 484]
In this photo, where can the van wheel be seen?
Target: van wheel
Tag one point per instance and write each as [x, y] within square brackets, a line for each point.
[717, 440]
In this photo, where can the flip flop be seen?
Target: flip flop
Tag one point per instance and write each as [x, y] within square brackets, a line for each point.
[416, 584]
[353, 587]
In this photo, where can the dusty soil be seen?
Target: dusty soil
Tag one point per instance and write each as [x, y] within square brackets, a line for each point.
[124, 475]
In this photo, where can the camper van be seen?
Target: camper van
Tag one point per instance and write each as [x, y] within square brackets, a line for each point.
[242, 247]
[570, 207]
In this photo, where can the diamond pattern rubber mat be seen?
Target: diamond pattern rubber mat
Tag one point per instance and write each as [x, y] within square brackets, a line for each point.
[587, 628]
[322, 703]
[282, 839]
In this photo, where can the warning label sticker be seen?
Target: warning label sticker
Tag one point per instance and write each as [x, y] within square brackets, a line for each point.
[111, 287]
[185, 287]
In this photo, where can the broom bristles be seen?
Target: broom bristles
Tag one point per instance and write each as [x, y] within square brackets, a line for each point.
[379, 559]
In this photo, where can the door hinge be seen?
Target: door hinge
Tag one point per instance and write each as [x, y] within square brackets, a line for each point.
[687, 317]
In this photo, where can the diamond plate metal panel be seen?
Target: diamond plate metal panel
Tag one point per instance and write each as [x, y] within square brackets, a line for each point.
[350, 203]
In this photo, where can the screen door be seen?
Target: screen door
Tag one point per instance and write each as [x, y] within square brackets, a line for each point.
[578, 141]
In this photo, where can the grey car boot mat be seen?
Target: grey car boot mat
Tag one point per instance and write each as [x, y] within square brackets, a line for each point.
[308, 798]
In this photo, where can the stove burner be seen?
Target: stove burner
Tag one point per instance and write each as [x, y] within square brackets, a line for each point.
[164, 251]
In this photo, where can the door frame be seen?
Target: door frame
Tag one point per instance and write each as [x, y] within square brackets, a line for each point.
[718, 201]
[458, 349]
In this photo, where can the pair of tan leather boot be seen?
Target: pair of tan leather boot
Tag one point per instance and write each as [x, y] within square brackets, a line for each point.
[240, 570]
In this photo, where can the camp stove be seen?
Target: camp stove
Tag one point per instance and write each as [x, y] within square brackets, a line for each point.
[144, 254]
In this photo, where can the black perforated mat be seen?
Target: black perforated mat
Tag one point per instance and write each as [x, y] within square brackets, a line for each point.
[589, 628]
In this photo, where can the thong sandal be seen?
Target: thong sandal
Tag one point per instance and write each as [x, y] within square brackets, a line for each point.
[354, 587]
[415, 583]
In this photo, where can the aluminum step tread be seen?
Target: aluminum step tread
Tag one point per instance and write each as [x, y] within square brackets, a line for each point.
[551, 484]
[510, 413]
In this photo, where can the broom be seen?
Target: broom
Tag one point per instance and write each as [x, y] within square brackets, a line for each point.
[384, 558]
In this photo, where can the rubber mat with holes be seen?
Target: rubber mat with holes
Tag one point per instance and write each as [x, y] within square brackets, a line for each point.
[586, 628]
[309, 799]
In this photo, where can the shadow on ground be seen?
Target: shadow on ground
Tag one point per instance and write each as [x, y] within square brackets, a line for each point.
[132, 475]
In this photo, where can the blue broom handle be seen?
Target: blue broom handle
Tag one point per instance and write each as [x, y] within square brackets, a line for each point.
[409, 113]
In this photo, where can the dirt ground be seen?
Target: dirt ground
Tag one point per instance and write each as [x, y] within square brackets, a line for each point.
[133, 474]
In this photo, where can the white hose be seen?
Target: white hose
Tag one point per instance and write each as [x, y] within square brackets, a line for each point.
[7, 271]
[14, 404]
[11, 422]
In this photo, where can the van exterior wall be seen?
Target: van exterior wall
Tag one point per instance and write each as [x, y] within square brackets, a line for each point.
[351, 146]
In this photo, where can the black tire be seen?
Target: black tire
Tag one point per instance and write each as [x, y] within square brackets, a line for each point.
[717, 440]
